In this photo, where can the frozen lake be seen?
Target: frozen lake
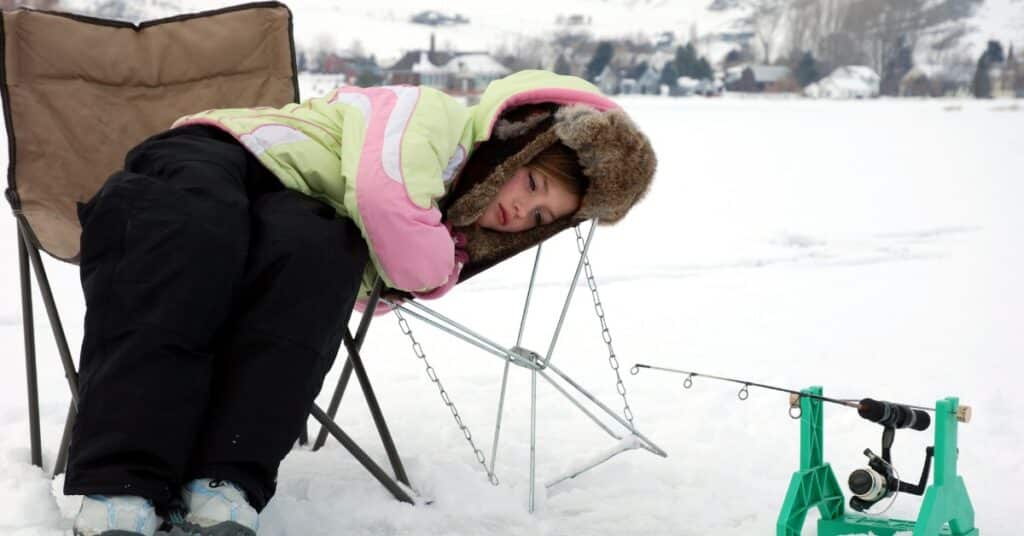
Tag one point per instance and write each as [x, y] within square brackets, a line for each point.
[868, 247]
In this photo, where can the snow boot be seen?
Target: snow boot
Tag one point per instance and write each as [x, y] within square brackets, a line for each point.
[218, 508]
[116, 515]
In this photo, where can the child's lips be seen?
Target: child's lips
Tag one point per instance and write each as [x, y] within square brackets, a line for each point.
[502, 218]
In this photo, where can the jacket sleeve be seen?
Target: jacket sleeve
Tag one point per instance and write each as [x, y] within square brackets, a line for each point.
[400, 148]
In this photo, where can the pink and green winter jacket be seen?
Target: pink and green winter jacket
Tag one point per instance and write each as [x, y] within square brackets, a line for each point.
[384, 156]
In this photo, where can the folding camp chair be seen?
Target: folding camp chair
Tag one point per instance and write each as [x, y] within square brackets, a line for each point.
[79, 92]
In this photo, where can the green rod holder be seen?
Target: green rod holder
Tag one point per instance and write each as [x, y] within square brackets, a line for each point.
[945, 510]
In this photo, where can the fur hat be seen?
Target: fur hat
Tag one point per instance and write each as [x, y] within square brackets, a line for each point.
[616, 158]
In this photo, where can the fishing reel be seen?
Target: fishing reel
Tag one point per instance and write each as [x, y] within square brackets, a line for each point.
[880, 479]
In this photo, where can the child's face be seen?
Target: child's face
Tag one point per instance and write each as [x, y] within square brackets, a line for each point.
[527, 200]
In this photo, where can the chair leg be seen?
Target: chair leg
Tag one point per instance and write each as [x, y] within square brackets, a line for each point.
[346, 372]
[30, 353]
[361, 456]
[51, 311]
[61, 465]
[371, 401]
[332, 408]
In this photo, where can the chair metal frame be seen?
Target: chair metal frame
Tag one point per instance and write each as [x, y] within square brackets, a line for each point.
[538, 366]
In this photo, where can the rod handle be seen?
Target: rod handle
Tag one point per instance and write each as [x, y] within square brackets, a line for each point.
[794, 400]
[964, 413]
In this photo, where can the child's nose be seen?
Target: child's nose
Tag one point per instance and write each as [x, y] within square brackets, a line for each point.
[518, 210]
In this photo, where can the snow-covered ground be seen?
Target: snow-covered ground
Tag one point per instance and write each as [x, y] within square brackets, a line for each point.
[869, 247]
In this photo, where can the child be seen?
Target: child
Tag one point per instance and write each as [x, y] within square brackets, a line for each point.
[221, 265]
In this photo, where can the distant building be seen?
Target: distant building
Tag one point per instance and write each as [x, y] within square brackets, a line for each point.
[922, 81]
[351, 68]
[686, 87]
[419, 67]
[641, 79]
[848, 82]
[609, 80]
[1007, 77]
[755, 78]
[464, 73]
[470, 73]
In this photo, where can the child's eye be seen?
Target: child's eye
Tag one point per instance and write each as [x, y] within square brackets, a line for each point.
[533, 184]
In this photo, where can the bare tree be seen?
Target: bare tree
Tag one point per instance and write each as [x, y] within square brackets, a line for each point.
[877, 33]
[764, 18]
[802, 21]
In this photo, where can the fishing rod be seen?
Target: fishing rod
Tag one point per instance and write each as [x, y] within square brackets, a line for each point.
[880, 479]
[885, 413]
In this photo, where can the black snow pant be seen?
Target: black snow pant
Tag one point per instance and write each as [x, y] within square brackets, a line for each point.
[216, 300]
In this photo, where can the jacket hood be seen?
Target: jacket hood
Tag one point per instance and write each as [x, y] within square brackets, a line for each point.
[617, 160]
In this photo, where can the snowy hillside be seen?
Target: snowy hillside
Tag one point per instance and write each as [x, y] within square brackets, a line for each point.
[383, 28]
[870, 247]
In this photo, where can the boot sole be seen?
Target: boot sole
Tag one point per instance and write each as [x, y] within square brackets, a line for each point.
[112, 533]
[226, 528]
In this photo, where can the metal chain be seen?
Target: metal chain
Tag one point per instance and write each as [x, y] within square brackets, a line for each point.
[418, 350]
[605, 333]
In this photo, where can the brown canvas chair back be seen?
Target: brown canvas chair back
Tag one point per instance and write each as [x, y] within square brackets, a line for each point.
[80, 92]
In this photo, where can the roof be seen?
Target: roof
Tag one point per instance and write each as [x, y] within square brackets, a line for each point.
[475, 63]
[425, 66]
[412, 57]
[856, 71]
[762, 73]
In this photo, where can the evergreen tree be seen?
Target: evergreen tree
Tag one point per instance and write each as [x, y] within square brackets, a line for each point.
[900, 62]
[669, 74]
[807, 70]
[686, 60]
[562, 65]
[703, 71]
[600, 60]
[982, 84]
[994, 52]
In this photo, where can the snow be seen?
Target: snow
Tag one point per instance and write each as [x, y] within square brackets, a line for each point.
[871, 247]
[424, 66]
[847, 82]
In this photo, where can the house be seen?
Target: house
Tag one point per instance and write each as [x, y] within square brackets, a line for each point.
[754, 78]
[649, 82]
[463, 73]
[419, 67]
[608, 81]
[922, 81]
[470, 73]
[641, 79]
[848, 82]
[686, 86]
[350, 69]
[1008, 77]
